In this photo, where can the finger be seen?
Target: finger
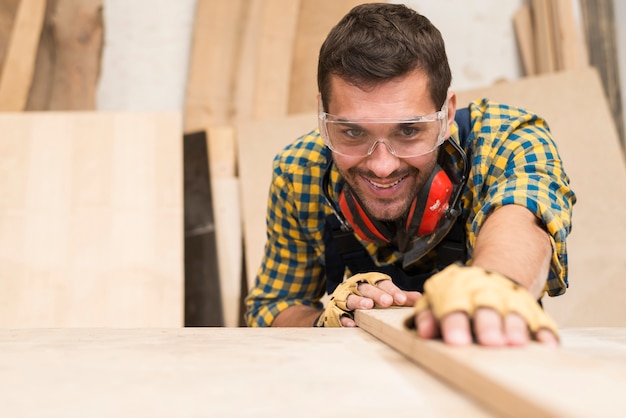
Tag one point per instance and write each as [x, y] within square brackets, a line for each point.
[546, 337]
[379, 296]
[347, 322]
[455, 329]
[399, 296]
[357, 302]
[516, 330]
[426, 324]
[411, 298]
[488, 328]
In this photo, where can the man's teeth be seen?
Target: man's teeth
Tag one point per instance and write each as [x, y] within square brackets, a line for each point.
[385, 186]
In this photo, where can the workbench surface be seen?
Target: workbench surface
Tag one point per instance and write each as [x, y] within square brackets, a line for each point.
[235, 372]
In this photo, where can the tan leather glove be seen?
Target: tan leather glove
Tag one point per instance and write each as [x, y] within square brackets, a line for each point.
[336, 306]
[465, 289]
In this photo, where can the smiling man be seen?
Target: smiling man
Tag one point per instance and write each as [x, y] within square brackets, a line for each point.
[400, 198]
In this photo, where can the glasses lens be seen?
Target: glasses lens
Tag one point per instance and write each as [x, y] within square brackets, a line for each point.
[403, 138]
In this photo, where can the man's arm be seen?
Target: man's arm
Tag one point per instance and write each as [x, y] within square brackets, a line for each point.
[297, 316]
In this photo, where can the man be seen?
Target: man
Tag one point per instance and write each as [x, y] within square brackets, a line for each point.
[464, 219]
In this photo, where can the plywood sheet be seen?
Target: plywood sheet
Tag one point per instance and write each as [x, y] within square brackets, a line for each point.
[577, 112]
[216, 372]
[91, 223]
[259, 141]
[530, 381]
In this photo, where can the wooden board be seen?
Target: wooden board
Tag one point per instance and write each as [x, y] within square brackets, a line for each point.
[91, 221]
[577, 112]
[533, 381]
[315, 19]
[19, 62]
[216, 372]
[259, 141]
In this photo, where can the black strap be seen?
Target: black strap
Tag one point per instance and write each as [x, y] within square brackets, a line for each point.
[343, 249]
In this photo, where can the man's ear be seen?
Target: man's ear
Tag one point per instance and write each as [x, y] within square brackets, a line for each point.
[451, 112]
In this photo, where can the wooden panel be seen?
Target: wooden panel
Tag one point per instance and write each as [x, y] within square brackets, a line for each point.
[315, 19]
[533, 381]
[19, 62]
[216, 372]
[574, 105]
[68, 60]
[259, 142]
[91, 219]
[217, 40]
[279, 20]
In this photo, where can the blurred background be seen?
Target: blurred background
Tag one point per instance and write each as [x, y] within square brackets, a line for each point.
[205, 70]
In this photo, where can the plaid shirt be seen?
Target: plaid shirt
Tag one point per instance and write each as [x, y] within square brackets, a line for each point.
[513, 159]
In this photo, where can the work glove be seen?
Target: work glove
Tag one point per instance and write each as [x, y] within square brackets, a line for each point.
[337, 305]
[465, 289]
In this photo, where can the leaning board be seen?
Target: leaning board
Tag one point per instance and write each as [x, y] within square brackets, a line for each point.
[91, 223]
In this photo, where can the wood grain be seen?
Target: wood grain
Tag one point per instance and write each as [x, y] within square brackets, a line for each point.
[533, 381]
[91, 222]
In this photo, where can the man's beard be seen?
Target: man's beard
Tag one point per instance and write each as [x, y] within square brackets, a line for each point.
[388, 209]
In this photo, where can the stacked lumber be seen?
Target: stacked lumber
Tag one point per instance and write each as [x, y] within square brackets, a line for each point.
[549, 37]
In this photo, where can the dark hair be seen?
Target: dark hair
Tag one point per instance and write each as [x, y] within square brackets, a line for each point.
[376, 42]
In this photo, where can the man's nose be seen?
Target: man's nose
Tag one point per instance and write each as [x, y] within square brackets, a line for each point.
[382, 161]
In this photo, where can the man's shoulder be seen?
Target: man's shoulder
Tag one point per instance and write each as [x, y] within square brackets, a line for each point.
[306, 152]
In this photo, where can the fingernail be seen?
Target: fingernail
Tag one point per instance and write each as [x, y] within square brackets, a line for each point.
[386, 300]
[400, 298]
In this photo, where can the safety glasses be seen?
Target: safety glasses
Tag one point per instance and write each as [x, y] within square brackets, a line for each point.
[404, 137]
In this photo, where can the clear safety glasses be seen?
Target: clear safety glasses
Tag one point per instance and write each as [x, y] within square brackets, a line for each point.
[404, 137]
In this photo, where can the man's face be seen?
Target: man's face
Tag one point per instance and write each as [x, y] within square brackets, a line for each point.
[385, 184]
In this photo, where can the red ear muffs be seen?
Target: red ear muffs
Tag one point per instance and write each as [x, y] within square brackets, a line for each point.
[422, 219]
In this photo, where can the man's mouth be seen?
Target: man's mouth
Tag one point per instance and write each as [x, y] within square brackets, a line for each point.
[386, 185]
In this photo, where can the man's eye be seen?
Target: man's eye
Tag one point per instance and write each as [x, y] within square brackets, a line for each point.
[409, 131]
[354, 133]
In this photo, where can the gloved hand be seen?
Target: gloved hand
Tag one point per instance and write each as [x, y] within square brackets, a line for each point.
[465, 289]
[337, 305]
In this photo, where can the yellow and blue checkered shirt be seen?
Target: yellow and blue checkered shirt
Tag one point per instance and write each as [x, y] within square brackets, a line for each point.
[513, 159]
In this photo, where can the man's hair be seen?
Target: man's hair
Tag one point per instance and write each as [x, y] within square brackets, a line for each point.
[376, 42]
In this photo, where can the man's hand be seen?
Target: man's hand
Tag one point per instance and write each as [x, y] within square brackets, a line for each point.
[363, 291]
[461, 303]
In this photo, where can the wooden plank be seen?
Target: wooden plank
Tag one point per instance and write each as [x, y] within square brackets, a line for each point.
[279, 19]
[77, 30]
[8, 9]
[315, 19]
[227, 213]
[523, 25]
[19, 62]
[91, 219]
[571, 50]
[544, 36]
[533, 381]
[217, 372]
[216, 45]
[259, 141]
[595, 164]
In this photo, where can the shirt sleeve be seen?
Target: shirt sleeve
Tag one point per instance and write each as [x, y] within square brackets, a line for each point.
[515, 161]
[291, 272]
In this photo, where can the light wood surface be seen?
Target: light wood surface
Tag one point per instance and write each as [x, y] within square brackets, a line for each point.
[216, 372]
[533, 381]
[577, 112]
[91, 222]
[19, 62]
